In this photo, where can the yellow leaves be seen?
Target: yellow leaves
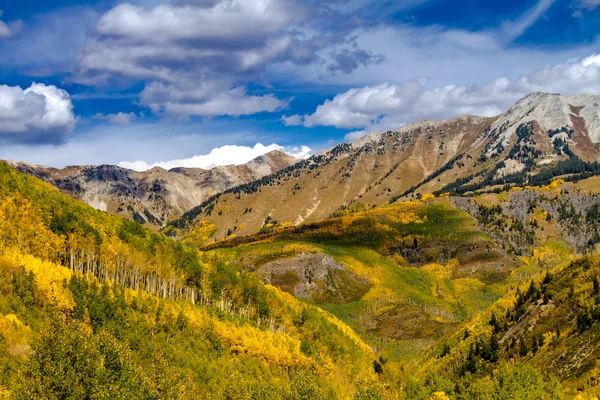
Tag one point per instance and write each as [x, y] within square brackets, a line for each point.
[14, 319]
[283, 226]
[555, 184]
[297, 306]
[24, 228]
[402, 207]
[464, 285]
[16, 335]
[551, 254]
[584, 396]
[5, 394]
[437, 270]
[502, 197]
[427, 196]
[48, 277]
[439, 396]
[200, 233]
[406, 217]
[273, 348]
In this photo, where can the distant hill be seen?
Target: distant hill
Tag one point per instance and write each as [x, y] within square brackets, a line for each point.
[155, 196]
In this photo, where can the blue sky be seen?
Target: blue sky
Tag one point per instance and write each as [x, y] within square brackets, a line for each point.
[149, 81]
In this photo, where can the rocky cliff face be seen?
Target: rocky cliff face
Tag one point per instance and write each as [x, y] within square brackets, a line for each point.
[155, 196]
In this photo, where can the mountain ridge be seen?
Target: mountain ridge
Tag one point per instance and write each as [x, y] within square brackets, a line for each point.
[156, 195]
[541, 133]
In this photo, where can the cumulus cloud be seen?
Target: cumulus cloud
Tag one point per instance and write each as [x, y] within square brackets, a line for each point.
[390, 105]
[39, 113]
[183, 49]
[168, 41]
[444, 54]
[119, 118]
[301, 153]
[224, 155]
[206, 99]
[8, 29]
[192, 55]
[292, 120]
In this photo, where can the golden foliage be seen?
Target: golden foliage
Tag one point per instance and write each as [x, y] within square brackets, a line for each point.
[24, 228]
[48, 276]
[200, 233]
[16, 335]
[427, 196]
[274, 348]
[555, 184]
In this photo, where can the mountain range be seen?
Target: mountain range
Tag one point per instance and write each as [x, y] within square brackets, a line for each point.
[539, 137]
[450, 259]
[533, 141]
[155, 196]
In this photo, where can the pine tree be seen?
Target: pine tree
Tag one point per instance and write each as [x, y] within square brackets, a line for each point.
[377, 367]
[523, 350]
[494, 347]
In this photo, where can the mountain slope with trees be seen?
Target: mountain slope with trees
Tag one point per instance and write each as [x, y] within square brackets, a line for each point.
[94, 306]
[541, 137]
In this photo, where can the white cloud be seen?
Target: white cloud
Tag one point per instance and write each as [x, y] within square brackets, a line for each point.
[589, 5]
[224, 155]
[119, 118]
[221, 20]
[515, 29]
[8, 29]
[293, 120]
[206, 99]
[389, 105]
[442, 54]
[193, 55]
[39, 113]
[182, 49]
[151, 141]
[301, 153]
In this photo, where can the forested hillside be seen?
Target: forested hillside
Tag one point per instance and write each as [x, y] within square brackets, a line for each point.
[96, 307]
[550, 325]
[452, 298]
[415, 300]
